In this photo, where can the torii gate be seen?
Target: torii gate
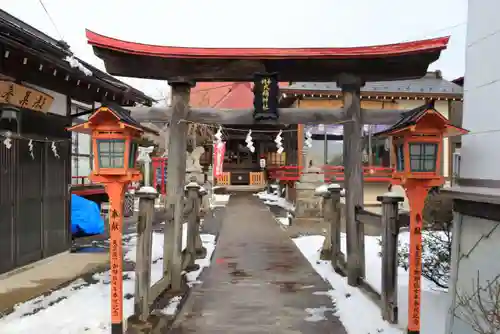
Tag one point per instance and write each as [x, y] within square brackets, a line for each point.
[350, 67]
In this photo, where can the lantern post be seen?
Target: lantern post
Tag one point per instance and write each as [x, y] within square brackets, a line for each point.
[113, 134]
[418, 145]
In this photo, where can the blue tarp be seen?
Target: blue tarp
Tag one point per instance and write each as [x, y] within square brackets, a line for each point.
[85, 217]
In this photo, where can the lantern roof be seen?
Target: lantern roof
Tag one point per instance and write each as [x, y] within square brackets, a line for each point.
[397, 61]
[121, 114]
[413, 117]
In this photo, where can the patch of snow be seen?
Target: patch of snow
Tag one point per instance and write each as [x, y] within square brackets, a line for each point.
[218, 200]
[209, 244]
[275, 199]
[285, 221]
[391, 194]
[148, 190]
[322, 189]
[172, 306]
[73, 62]
[191, 185]
[318, 314]
[367, 318]
[81, 307]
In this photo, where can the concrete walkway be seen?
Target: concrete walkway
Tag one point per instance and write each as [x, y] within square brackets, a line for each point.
[259, 282]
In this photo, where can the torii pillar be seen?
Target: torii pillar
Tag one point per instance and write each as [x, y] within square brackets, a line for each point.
[353, 175]
[176, 171]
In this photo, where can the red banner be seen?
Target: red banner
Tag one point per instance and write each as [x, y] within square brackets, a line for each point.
[218, 159]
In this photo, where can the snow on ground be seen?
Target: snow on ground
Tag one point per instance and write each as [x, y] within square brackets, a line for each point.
[367, 317]
[192, 277]
[275, 199]
[218, 200]
[81, 307]
[324, 188]
[283, 221]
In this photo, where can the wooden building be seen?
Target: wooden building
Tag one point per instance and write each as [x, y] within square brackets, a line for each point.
[242, 167]
[43, 87]
[392, 95]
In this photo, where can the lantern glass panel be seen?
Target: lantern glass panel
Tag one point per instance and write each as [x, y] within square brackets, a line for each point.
[111, 153]
[133, 155]
[400, 158]
[423, 157]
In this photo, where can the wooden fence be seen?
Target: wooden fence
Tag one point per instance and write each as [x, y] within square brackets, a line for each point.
[389, 224]
[146, 294]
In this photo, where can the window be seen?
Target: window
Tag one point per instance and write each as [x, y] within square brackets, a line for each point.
[375, 150]
[423, 157]
[111, 153]
[400, 158]
[81, 153]
[334, 151]
[133, 153]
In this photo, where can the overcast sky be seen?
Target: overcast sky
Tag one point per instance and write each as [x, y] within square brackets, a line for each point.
[255, 23]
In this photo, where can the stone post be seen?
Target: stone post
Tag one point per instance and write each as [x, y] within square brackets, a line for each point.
[331, 208]
[390, 231]
[308, 206]
[193, 201]
[138, 323]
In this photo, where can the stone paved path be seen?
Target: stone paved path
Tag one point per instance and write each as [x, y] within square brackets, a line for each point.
[259, 282]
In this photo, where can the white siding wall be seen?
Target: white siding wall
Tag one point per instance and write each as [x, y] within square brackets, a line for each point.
[480, 157]
[475, 256]
[480, 153]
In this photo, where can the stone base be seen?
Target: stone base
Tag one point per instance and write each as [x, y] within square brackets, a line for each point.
[200, 176]
[305, 221]
[156, 324]
[308, 204]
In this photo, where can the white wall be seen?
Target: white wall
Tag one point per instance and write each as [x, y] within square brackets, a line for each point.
[475, 256]
[479, 152]
[480, 156]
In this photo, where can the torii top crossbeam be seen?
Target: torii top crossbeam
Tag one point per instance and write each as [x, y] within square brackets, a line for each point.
[370, 63]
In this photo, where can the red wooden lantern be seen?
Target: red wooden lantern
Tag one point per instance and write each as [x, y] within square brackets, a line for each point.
[113, 133]
[417, 141]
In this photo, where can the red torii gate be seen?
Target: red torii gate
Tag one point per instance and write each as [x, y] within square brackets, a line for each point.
[350, 67]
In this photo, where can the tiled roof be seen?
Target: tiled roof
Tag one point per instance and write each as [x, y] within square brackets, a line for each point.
[124, 116]
[411, 117]
[432, 83]
[408, 118]
[224, 95]
[17, 32]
